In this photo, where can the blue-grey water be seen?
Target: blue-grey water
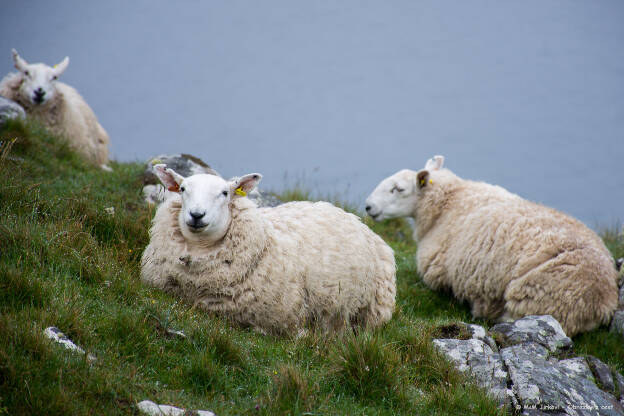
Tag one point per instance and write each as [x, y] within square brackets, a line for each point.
[340, 94]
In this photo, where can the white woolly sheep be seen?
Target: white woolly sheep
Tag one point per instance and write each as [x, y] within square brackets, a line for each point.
[57, 106]
[278, 269]
[508, 257]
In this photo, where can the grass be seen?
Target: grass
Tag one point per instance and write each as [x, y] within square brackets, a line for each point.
[66, 261]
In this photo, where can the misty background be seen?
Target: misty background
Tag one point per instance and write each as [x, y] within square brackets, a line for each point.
[337, 95]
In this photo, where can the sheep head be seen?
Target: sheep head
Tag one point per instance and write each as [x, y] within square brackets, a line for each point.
[396, 196]
[38, 80]
[206, 201]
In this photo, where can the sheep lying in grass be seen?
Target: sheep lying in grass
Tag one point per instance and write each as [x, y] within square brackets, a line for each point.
[278, 269]
[57, 106]
[507, 256]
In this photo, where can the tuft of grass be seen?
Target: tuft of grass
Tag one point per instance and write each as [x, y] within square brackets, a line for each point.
[291, 393]
[368, 368]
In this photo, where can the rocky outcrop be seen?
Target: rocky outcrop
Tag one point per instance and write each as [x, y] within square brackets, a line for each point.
[150, 408]
[528, 374]
[60, 338]
[188, 165]
[10, 110]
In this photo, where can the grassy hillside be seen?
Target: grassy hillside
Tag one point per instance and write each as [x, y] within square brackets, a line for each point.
[67, 262]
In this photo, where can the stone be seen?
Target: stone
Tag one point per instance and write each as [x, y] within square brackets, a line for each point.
[577, 367]
[478, 332]
[184, 164]
[602, 374]
[59, 337]
[480, 360]
[188, 165]
[541, 329]
[617, 323]
[150, 408]
[540, 384]
[10, 110]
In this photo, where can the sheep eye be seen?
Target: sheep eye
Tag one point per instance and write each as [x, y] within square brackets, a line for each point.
[182, 189]
[397, 189]
[26, 73]
[225, 193]
[54, 78]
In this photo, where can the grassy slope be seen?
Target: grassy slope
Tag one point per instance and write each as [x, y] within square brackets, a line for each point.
[65, 261]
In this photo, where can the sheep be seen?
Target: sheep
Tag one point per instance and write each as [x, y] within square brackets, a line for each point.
[277, 270]
[57, 106]
[508, 257]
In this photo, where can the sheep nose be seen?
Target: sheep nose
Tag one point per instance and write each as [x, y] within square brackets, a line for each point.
[39, 91]
[197, 215]
[368, 208]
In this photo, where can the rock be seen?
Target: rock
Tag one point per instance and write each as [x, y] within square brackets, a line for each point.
[617, 323]
[618, 263]
[478, 332]
[602, 374]
[483, 363]
[184, 164]
[10, 110]
[544, 385]
[542, 329]
[577, 367]
[56, 335]
[621, 297]
[188, 165]
[153, 409]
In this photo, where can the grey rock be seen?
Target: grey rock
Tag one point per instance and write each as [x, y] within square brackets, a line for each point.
[59, 337]
[619, 379]
[602, 374]
[621, 297]
[577, 367]
[478, 332]
[544, 385]
[10, 110]
[184, 164]
[617, 323]
[480, 360]
[542, 329]
[188, 165]
[150, 408]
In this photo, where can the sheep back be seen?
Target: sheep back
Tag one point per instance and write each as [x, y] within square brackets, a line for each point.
[510, 257]
[278, 269]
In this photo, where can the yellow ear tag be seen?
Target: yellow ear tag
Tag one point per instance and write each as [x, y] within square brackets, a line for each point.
[431, 181]
[55, 65]
[239, 191]
[422, 182]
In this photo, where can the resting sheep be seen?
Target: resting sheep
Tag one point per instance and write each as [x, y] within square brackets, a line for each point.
[278, 269]
[57, 106]
[506, 256]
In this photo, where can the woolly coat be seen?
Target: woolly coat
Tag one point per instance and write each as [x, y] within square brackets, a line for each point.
[277, 269]
[67, 115]
[510, 257]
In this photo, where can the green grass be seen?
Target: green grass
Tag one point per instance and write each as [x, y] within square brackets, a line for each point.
[65, 261]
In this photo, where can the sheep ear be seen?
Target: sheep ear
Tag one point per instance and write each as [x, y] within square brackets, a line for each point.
[168, 177]
[20, 63]
[422, 178]
[435, 163]
[61, 67]
[241, 186]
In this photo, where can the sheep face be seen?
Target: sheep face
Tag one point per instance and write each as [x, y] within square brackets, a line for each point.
[396, 196]
[206, 201]
[38, 80]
